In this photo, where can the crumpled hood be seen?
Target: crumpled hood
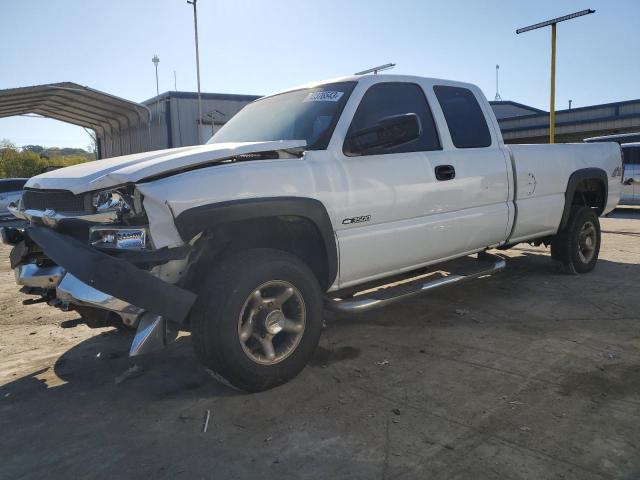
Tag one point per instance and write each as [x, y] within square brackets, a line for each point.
[100, 174]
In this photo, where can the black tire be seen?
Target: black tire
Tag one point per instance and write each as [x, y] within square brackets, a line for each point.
[221, 300]
[567, 248]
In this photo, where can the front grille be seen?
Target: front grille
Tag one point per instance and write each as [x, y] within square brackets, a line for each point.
[58, 200]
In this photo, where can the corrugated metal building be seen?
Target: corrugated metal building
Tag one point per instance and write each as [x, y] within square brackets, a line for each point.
[522, 124]
[174, 116]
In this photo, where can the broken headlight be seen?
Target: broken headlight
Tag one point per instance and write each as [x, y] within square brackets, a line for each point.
[129, 238]
[112, 201]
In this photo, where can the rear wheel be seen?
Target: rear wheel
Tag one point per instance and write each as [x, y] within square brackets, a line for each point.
[258, 319]
[578, 245]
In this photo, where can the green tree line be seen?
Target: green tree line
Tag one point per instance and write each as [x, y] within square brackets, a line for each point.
[32, 160]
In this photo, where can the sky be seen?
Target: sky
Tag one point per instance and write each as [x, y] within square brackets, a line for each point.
[259, 47]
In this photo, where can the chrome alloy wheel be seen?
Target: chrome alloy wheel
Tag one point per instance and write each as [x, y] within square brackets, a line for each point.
[272, 322]
[587, 239]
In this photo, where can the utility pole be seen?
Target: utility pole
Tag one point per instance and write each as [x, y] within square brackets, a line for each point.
[156, 61]
[570, 104]
[552, 96]
[195, 25]
[498, 97]
[175, 81]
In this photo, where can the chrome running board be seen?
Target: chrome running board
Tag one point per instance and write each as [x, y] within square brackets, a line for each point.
[485, 265]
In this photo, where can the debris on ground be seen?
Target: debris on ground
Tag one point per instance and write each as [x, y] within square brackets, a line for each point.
[524, 428]
[383, 363]
[461, 311]
[207, 415]
[268, 439]
[132, 372]
[396, 411]
[185, 418]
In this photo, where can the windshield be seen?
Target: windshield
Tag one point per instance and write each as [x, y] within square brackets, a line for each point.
[308, 114]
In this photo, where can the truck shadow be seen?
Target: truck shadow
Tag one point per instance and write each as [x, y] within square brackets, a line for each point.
[531, 283]
[98, 370]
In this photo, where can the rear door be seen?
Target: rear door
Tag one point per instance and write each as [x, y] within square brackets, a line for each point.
[478, 194]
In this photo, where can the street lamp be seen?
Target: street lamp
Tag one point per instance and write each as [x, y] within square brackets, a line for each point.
[195, 24]
[156, 61]
[552, 100]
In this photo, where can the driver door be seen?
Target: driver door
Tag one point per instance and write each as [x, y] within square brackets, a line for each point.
[379, 220]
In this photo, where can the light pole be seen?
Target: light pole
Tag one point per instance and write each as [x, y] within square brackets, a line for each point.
[156, 61]
[552, 97]
[195, 25]
[498, 97]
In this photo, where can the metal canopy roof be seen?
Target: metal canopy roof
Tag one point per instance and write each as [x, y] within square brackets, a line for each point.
[75, 104]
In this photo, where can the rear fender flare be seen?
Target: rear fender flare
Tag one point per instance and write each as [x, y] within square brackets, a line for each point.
[575, 180]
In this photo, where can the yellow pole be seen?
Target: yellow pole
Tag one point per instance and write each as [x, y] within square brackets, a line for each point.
[552, 102]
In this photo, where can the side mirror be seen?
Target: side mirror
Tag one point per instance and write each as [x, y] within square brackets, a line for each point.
[388, 132]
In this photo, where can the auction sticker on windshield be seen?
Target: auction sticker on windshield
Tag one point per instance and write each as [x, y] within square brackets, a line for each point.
[324, 96]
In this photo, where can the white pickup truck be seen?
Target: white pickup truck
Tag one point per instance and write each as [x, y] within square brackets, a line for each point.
[314, 197]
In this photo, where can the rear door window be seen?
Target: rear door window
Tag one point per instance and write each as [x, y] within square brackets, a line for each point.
[466, 122]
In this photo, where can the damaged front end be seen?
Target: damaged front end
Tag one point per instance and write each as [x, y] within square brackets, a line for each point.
[92, 253]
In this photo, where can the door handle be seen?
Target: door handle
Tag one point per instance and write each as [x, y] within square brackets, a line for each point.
[445, 172]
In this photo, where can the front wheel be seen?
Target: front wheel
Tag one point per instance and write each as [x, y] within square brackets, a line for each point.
[578, 245]
[258, 319]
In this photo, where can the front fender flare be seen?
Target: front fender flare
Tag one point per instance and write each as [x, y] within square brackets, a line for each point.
[198, 219]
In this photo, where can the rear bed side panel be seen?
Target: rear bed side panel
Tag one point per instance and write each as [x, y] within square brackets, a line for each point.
[542, 176]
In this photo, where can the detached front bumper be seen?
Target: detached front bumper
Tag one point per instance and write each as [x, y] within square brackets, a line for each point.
[94, 271]
[86, 276]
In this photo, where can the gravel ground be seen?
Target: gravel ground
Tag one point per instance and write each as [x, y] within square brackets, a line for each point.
[528, 374]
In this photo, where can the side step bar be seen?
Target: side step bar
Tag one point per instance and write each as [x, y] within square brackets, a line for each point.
[485, 265]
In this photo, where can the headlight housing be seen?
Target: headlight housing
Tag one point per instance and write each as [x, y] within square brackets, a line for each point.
[116, 200]
[118, 238]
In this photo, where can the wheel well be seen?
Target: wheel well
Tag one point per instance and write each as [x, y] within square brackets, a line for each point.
[590, 193]
[292, 234]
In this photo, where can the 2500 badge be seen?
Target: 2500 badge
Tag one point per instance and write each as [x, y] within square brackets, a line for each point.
[363, 218]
